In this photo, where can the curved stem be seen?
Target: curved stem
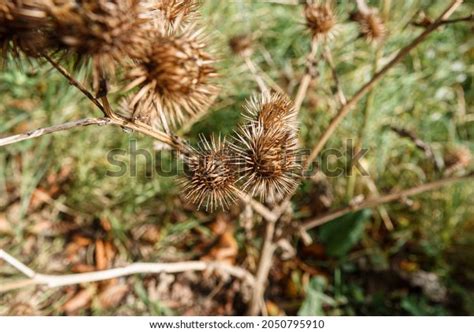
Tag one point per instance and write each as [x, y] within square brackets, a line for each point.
[373, 202]
[52, 281]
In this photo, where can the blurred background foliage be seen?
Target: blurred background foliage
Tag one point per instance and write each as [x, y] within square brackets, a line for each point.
[60, 211]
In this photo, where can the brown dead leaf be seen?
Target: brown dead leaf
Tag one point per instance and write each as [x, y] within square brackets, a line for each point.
[82, 241]
[273, 309]
[225, 250]
[82, 268]
[112, 295]
[81, 300]
[314, 250]
[5, 227]
[105, 224]
[101, 261]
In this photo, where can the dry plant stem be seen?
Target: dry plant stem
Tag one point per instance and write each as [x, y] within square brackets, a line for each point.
[373, 202]
[469, 18]
[141, 128]
[258, 207]
[329, 60]
[74, 82]
[253, 69]
[308, 76]
[52, 281]
[345, 109]
[49, 130]
[265, 263]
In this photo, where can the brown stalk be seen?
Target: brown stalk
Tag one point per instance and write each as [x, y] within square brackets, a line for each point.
[264, 265]
[373, 202]
[74, 82]
[308, 76]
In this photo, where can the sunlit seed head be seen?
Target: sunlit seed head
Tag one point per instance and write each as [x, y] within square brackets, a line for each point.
[320, 19]
[23, 27]
[271, 110]
[241, 45]
[371, 25]
[176, 76]
[210, 176]
[267, 160]
[457, 157]
[169, 15]
[108, 31]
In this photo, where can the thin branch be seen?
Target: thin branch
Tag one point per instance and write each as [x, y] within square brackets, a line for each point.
[329, 60]
[116, 121]
[469, 18]
[308, 76]
[52, 281]
[265, 263]
[349, 106]
[258, 207]
[419, 143]
[253, 69]
[423, 23]
[74, 82]
[53, 129]
[373, 202]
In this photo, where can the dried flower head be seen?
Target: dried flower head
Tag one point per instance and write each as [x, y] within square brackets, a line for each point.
[171, 14]
[266, 148]
[457, 157]
[108, 31]
[175, 76]
[241, 45]
[267, 160]
[320, 19]
[371, 25]
[210, 175]
[23, 26]
[272, 110]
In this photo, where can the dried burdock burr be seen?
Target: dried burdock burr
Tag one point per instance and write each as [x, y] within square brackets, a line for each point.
[458, 157]
[320, 19]
[267, 161]
[371, 25]
[23, 27]
[241, 45]
[271, 110]
[107, 31]
[174, 77]
[171, 14]
[266, 148]
[210, 174]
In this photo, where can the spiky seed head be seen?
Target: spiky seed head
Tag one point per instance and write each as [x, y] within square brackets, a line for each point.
[272, 110]
[371, 25]
[175, 76]
[171, 14]
[267, 160]
[241, 45]
[320, 19]
[108, 31]
[23, 27]
[210, 175]
[457, 157]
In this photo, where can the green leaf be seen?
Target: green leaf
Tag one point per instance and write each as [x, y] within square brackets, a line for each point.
[343, 233]
[313, 303]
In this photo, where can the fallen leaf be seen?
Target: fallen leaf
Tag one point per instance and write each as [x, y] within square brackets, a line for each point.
[112, 295]
[80, 300]
[100, 255]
